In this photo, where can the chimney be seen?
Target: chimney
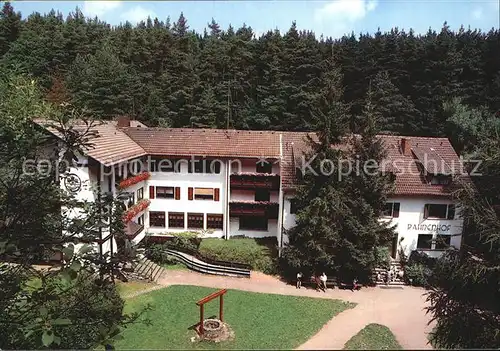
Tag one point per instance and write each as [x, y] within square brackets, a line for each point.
[123, 121]
[406, 147]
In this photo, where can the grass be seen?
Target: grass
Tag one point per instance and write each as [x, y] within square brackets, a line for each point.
[128, 288]
[174, 266]
[373, 337]
[260, 253]
[259, 321]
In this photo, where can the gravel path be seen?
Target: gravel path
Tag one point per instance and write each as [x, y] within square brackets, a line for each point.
[401, 310]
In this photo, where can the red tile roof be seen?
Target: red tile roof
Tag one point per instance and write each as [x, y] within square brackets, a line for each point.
[435, 155]
[206, 142]
[109, 147]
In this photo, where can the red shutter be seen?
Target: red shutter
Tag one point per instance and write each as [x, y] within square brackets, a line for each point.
[190, 193]
[177, 193]
[216, 194]
[151, 192]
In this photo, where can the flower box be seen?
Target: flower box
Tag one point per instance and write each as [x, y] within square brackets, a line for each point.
[134, 180]
[135, 210]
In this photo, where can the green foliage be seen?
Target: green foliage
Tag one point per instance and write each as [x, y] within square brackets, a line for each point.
[259, 321]
[338, 228]
[464, 296]
[373, 337]
[168, 75]
[52, 308]
[260, 254]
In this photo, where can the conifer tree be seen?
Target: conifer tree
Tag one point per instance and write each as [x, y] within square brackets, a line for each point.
[10, 27]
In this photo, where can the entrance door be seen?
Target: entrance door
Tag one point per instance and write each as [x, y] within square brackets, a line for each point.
[394, 246]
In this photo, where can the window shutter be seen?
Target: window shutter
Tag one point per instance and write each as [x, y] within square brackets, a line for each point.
[190, 193]
[395, 211]
[177, 193]
[451, 212]
[216, 194]
[426, 211]
[151, 192]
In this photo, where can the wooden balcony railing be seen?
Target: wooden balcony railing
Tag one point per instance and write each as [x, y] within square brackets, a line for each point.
[254, 208]
[255, 181]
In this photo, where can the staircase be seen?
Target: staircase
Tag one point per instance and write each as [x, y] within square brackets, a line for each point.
[392, 276]
[149, 270]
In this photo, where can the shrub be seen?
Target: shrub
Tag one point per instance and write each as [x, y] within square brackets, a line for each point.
[419, 268]
[260, 254]
[382, 257]
[156, 253]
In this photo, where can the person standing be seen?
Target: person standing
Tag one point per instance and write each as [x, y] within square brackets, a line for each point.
[299, 280]
[323, 279]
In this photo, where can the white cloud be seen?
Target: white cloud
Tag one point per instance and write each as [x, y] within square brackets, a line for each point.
[346, 11]
[99, 8]
[137, 14]
[337, 17]
[477, 13]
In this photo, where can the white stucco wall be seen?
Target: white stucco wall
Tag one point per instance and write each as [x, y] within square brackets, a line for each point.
[272, 229]
[411, 213]
[185, 180]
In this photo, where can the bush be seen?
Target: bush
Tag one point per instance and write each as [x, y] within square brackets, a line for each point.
[260, 254]
[382, 257]
[156, 253]
[418, 269]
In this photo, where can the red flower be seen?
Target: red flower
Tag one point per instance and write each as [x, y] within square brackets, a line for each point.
[135, 210]
[134, 180]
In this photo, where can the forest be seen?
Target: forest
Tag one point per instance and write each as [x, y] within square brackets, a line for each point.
[164, 74]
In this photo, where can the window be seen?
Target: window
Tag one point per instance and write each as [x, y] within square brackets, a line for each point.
[140, 220]
[165, 192]
[439, 211]
[264, 167]
[176, 220]
[195, 220]
[214, 221]
[441, 180]
[253, 223]
[140, 193]
[424, 241]
[391, 209]
[293, 206]
[203, 193]
[201, 166]
[205, 166]
[158, 164]
[131, 200]
[443, 241]
[262, 195]
[157, 219]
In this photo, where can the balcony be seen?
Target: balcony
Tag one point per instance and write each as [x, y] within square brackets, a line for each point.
[254, 208]
[133, 229]
[252, 181]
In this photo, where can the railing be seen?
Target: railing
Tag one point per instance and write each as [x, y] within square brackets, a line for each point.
[212, 261]
[196, 264]
[252, 181]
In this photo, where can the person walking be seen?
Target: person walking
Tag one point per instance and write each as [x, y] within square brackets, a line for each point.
[299, 280]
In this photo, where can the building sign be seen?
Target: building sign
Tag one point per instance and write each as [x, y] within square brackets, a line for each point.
[429, 227]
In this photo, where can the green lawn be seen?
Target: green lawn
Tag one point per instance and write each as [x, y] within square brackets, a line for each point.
[373, 337]
[128, 288]
[260, 253]
[174, 266]
[259, 321]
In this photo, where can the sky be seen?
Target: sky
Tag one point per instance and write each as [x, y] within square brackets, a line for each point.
[330, 18]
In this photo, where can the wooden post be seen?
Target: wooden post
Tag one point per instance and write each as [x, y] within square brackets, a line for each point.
[201, 319]
[221, 308]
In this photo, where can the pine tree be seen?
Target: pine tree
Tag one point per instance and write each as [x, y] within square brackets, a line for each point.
[10, 27]
[397, 113]
[103, 84]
